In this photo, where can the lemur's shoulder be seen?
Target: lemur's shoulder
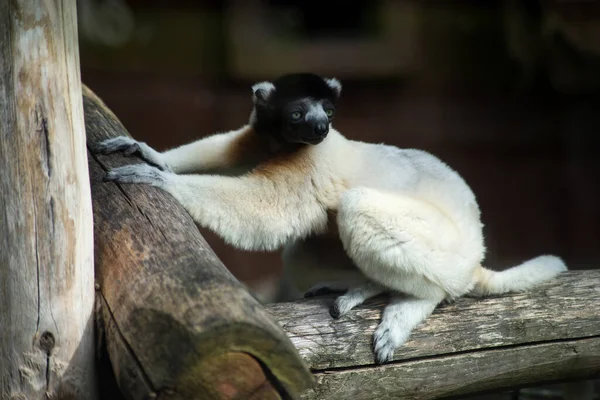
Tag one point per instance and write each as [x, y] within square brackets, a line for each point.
[258, 150]
[306, 160]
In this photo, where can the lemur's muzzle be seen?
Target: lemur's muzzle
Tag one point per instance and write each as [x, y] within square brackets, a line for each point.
[321, 129]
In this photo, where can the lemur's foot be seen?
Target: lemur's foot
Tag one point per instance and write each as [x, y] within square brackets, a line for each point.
[386, 339]
[355, 296]
[345, 303]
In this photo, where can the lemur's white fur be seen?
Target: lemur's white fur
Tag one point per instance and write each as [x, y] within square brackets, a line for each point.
[265, 87]
[365, 217]
[334, 84]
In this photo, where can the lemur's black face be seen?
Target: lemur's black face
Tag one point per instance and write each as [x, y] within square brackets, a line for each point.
[306, 120]
[295, 108]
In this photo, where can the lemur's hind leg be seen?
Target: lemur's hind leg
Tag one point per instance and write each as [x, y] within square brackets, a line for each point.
[355, 297]
[318, 266]
[399, 318]
[408, 246]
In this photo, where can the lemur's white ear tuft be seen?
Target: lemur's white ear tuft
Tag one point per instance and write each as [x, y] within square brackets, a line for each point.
[261, 91]
[335, 85]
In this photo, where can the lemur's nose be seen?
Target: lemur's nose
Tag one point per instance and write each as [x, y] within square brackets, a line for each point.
[321, 129]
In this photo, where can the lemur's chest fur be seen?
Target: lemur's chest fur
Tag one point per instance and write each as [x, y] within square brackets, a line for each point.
[306, 175]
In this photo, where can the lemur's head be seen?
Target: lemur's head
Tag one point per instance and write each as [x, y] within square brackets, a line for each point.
[295, 108]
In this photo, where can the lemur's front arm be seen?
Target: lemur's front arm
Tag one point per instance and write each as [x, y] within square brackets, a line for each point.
[250, 212]
[221, 151]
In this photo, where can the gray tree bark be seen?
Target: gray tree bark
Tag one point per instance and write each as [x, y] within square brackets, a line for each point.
[46, 230]
[551, 333]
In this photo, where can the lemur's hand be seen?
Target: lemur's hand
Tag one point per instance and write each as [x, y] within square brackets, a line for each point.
[131, 147]
[138, 173]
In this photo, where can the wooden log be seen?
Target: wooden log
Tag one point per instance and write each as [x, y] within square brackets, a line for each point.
[46, 229]
[178, 324]
[551, 333]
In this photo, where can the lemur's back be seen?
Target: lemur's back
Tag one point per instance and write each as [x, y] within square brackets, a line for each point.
[413, 172]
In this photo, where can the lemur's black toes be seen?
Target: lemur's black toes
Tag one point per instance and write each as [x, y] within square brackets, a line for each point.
[334, 311]
[379, 359]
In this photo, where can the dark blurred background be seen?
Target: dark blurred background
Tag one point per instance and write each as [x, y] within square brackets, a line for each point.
[506, 92]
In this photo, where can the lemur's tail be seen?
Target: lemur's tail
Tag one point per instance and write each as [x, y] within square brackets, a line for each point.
[518, 278]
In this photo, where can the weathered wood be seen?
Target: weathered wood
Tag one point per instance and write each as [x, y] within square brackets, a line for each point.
[46, 236]
[550, 333]
[178, 324]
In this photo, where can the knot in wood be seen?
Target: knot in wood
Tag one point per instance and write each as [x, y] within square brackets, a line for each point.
[47, 341]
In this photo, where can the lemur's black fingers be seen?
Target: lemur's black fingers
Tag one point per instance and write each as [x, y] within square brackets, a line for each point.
[113, 145]
[127, 178]
[134, 148]
[136, 173]
[116, 176]
[159, 165]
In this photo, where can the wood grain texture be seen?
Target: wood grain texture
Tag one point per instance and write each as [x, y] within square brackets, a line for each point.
[473, 345]
[46, 230]
[178, 324]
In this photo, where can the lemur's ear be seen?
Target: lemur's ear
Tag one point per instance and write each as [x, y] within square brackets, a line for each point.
[335, 85]
[262, 91]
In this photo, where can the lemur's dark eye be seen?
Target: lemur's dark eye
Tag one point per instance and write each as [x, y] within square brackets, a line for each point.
[296, 115]
[329, 112]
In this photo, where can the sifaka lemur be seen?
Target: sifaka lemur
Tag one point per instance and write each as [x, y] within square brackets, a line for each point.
[357, 217]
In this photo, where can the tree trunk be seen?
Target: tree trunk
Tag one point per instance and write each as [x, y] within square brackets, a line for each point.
[46, 230]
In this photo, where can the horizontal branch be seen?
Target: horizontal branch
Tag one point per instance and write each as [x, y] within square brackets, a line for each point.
[474, 345]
